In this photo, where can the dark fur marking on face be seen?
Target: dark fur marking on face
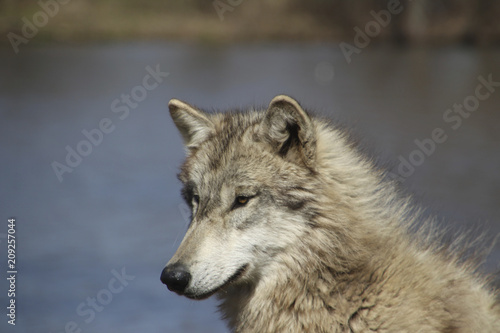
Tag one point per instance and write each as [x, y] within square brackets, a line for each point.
[187, 192]
[312, 224]
[295, 205]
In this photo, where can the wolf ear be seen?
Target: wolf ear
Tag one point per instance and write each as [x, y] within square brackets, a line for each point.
[192, 123]
[288, 128]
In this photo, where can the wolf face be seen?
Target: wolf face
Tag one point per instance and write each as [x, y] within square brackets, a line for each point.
[249, 180]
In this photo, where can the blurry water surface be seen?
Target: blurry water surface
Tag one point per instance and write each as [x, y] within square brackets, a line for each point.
[119, 210]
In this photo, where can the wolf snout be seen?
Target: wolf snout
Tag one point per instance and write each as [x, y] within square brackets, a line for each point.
[176, 277]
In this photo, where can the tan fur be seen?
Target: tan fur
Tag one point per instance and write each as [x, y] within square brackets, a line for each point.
[323, 244]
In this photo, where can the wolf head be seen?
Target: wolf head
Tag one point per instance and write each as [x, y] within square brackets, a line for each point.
[249, 179]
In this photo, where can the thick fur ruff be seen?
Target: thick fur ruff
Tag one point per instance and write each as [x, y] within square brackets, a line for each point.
[295, 231]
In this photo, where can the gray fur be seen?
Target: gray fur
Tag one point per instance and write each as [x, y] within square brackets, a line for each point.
[323, 243]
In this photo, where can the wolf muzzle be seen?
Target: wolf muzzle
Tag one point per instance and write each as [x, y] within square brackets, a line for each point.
[176, 277]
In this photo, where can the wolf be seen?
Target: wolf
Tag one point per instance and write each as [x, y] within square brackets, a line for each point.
[295, 230]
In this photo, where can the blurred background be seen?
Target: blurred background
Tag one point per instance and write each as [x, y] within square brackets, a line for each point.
[90, 155]
[430, 21]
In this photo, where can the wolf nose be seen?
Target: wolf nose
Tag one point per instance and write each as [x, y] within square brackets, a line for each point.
[176, 277]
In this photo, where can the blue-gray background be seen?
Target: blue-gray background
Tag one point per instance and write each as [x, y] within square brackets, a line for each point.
[121, 208]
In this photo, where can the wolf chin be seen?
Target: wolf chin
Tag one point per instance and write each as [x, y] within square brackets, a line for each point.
[295, 231]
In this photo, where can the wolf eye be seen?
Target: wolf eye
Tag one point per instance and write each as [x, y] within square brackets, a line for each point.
[241, 200]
